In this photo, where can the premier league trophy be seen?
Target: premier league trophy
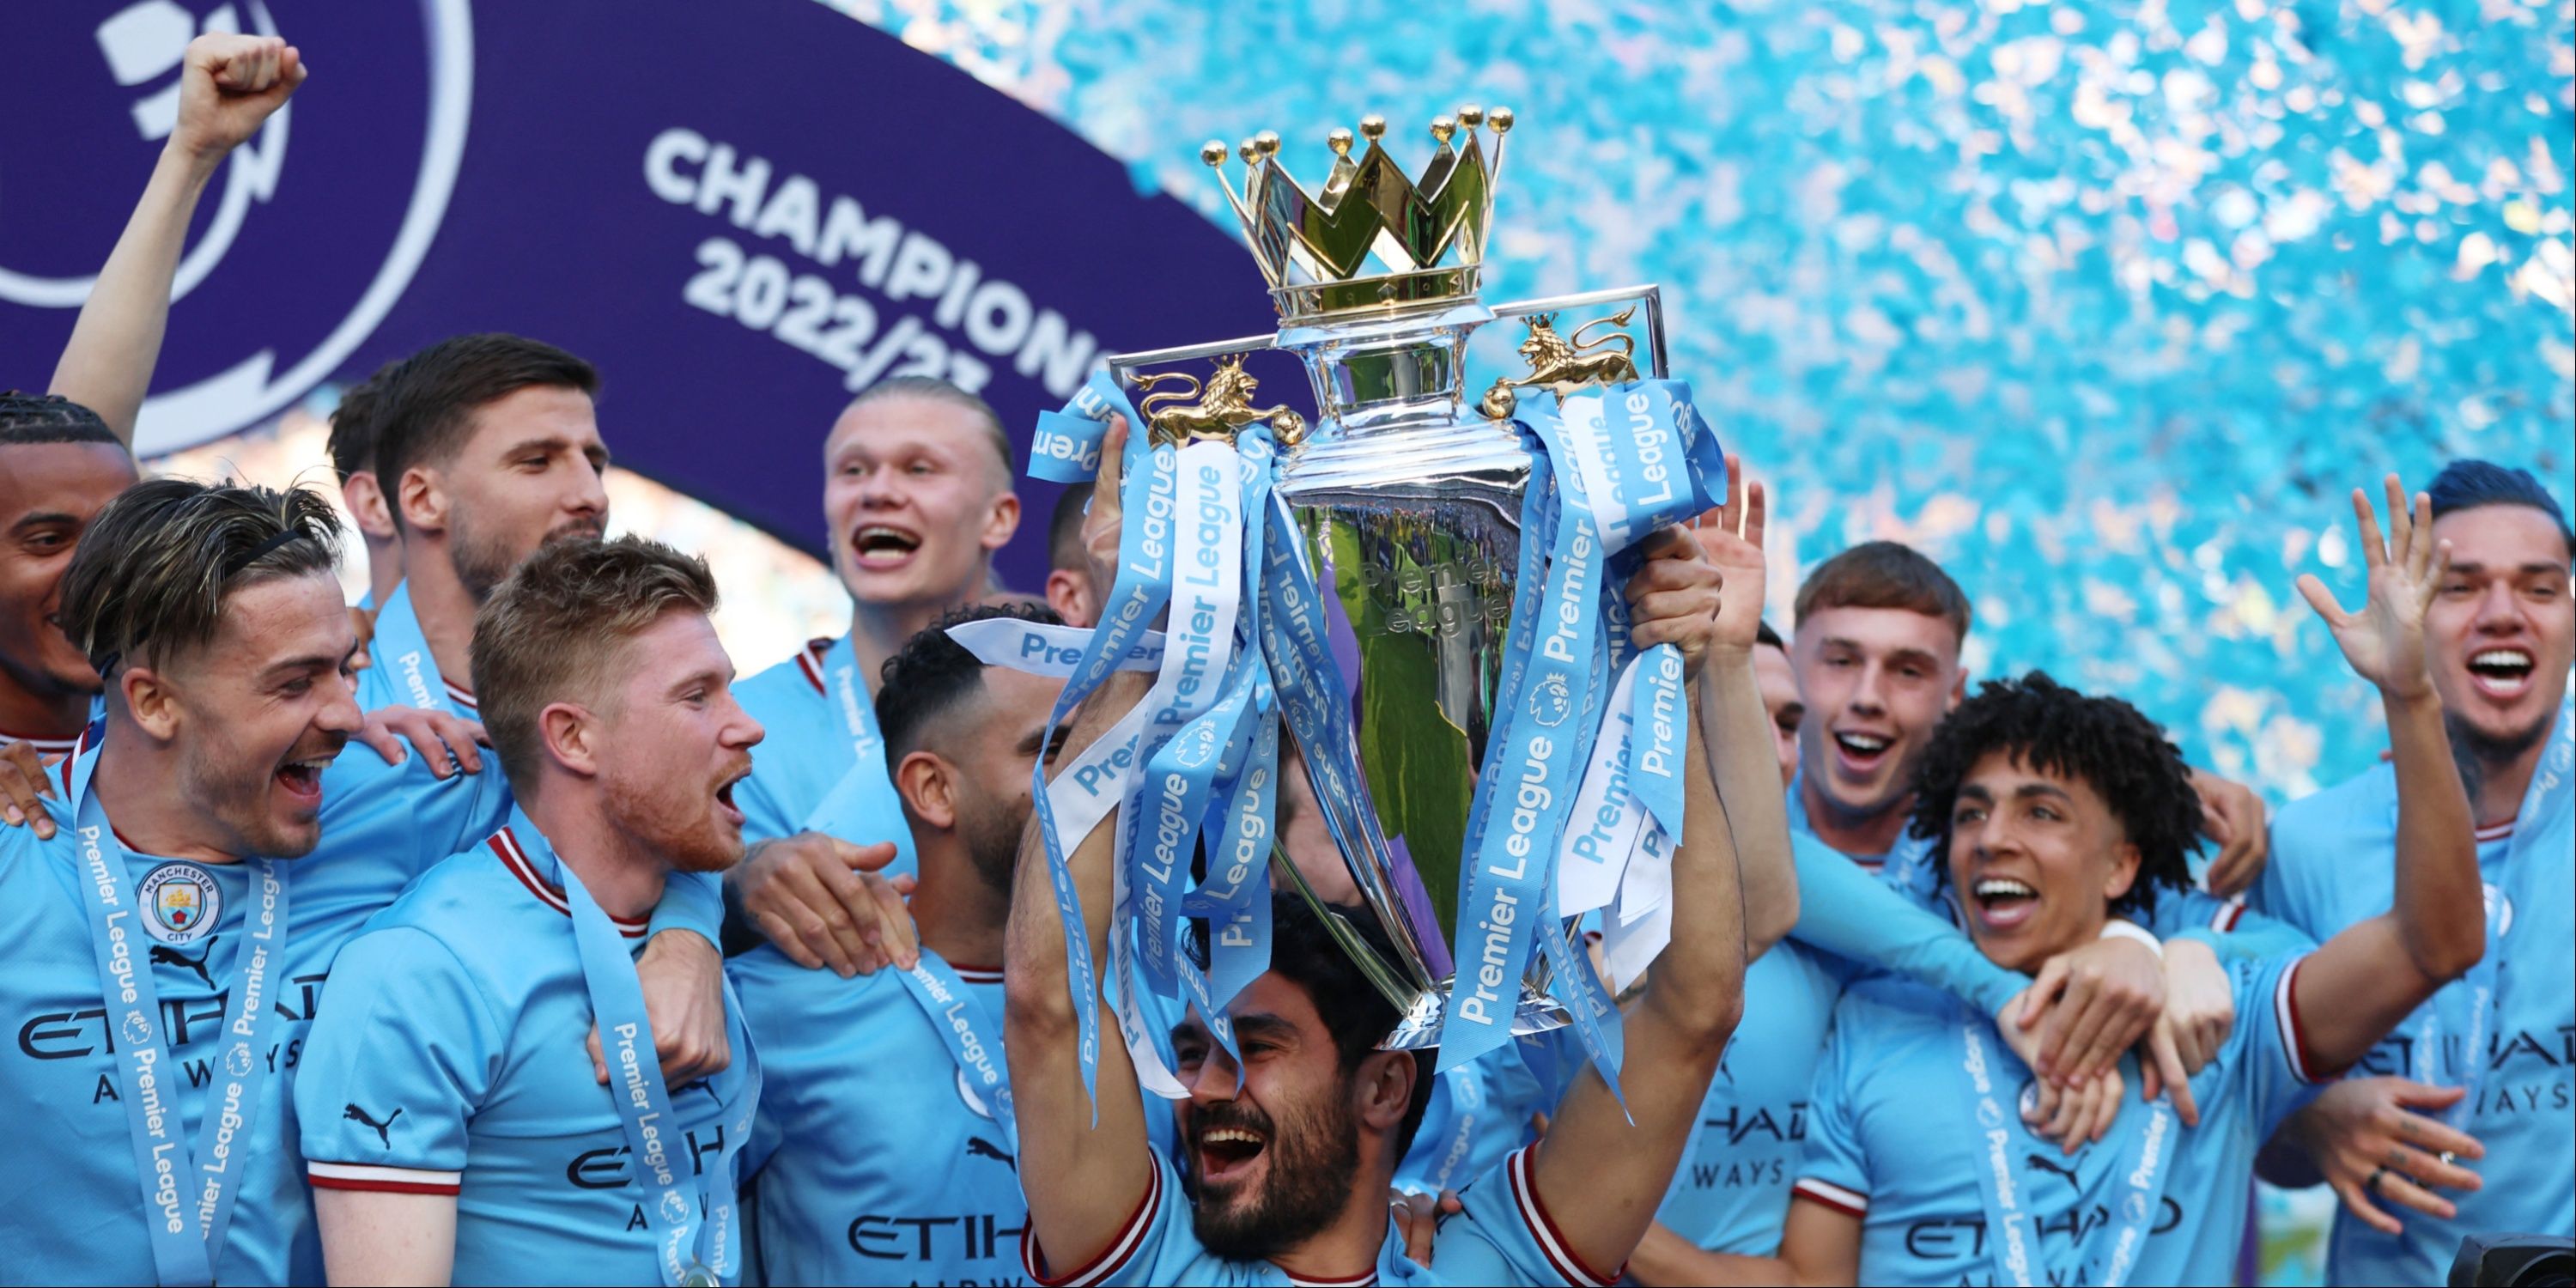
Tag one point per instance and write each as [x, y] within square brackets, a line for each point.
[1428, 599]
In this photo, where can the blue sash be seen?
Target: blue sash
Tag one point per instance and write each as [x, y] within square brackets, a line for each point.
[402, 650]
[695, 1233]
[148, 1082]
[2540, 836]
[2145, 1166]
[972, 1038]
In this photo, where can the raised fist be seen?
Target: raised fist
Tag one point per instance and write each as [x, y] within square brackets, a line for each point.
[229, 85]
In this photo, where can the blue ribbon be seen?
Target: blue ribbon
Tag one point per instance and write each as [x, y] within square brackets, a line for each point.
[972, 1038]
[149, 1083]
[2540, 837]
[1234, 892]
[1142, 587]
[1066, 446]
[1534, 754]
[407, 659]
[1187, 736]
[696, 1236]
[2145, 1165]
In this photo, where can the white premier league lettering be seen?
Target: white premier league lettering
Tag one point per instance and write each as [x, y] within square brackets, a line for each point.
[892, 264]
[631, 1068]
[1990, 1123]
[414, 682]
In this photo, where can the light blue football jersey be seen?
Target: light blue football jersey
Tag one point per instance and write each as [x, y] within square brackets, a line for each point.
[1504, 1236]
[1482, 1110]
[1732, 1191]
[401, 671]
[71, 1210]
[873, 1159]
[1896, 1136]
[821, 723]
[452, 1060]
[2333, 864]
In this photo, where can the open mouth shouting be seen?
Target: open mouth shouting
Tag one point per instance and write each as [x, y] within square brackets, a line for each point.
[1227, 1153]
[300, 779]
[2001, 903]
[2502, 672]
[725, 807]
[880, 547]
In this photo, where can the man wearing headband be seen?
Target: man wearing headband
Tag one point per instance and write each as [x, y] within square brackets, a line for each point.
[169, 946]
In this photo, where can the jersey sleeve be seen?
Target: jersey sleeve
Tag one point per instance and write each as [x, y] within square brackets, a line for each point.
[1155, 1246]
[1834, 1170]
[691, 901]
[1507, 1236]
[2266, 1059]
[405, 815]
[398, 1060]
[1849, 913]
[2231, 928]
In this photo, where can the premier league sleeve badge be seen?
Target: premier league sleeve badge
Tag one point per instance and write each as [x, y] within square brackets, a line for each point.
[181, 903]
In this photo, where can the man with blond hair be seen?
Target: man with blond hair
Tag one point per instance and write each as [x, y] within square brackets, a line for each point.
[446, 1097]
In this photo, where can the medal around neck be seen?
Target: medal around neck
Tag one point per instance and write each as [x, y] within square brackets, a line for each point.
[1429, 602]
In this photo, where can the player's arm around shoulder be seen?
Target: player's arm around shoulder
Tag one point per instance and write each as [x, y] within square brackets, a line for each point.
[399, 1057]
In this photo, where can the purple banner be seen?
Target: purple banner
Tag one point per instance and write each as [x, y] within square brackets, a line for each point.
[741, 212]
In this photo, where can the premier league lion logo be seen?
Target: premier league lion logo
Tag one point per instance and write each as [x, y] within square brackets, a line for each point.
[1551, 701]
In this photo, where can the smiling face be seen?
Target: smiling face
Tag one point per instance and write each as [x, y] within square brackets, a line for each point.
[1876, 681]
[2036, 858]
[1274, 1163]
[917, 499]
[258, 712]
[48, 493]
[672, 743]
[2501, 627]
[528, 474]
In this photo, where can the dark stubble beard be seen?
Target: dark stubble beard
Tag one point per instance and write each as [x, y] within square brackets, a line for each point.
[1313, 1163]
[483, 562]
[2479, 754]
[992, 836]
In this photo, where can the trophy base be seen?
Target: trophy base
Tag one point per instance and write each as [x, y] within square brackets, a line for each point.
[1419, 1030]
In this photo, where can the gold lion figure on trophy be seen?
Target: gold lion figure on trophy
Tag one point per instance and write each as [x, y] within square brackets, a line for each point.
[1221, 410]
[1563, 365]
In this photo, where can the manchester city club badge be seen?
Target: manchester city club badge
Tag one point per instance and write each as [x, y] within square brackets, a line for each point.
[181, 903]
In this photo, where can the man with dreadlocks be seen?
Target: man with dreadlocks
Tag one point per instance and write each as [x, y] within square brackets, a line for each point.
[2054, 811]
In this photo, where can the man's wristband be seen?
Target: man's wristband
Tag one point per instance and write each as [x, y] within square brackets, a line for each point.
[2123, 928]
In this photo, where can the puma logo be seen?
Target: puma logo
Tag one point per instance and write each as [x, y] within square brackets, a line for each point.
[357, 1115]
[164, 954]
[2046, 1164]
[978, 1147]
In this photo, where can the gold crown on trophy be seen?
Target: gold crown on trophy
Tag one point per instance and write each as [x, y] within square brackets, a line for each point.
[1316, 248]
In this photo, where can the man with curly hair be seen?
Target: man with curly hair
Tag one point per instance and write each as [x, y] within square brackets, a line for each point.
[2051, 812]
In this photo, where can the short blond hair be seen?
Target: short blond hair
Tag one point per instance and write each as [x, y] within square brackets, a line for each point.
[553, 631]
